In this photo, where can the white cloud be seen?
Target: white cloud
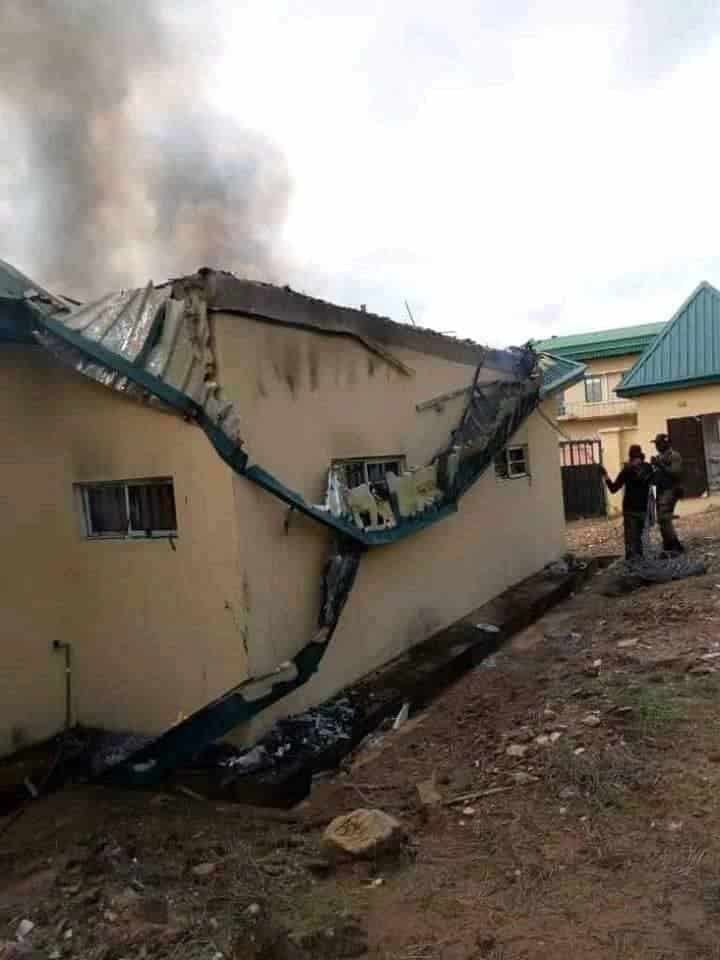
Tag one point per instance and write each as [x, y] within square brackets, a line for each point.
[502, 171]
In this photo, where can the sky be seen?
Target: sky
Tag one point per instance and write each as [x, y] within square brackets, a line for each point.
[512, 170]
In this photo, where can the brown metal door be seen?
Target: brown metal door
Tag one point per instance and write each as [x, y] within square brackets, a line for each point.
[711, 437]
[686, 436]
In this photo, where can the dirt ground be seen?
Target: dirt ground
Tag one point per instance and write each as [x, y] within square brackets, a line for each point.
[603, 537]
[588, 755]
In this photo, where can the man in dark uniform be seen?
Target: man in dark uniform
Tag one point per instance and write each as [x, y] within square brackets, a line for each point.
[635, 477]
[667, 476]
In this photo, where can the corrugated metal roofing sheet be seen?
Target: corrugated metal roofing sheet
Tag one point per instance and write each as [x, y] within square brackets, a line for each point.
[13, 284]
[602, 343]
[558, 373]
[155, 344]
[687, 353]
[16, 318]
[166, 338]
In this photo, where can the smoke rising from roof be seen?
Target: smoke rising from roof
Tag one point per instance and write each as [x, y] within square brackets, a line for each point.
[115, 169]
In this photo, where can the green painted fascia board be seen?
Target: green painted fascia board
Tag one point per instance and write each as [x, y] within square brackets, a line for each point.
[566, 380]
[617, 349]
[235, 458]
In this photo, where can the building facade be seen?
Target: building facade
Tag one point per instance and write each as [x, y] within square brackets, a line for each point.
[676, 387]
[167, 570]
[591, 410]
[650, 379]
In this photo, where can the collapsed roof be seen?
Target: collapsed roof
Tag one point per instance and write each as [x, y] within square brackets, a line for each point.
[155, 344]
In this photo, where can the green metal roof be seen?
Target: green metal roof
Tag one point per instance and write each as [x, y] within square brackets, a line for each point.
[558, 373]
[601, 343]
[15, 315]
[686, 354]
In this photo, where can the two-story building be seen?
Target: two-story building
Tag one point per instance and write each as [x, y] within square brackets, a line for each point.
[600, 424]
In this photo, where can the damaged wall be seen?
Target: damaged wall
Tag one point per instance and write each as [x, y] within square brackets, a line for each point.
[154, 631]
[505, 531]
[309, 398]
[157, 632]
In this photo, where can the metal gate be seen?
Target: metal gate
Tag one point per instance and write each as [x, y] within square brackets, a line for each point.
[582, 482]
[686, 436]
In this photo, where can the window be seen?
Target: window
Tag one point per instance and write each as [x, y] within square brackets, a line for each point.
[512, 462]
[372, 470]
[129, 509]
[593, 389]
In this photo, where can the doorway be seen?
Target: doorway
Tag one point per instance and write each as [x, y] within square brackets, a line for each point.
[582, 483]
[711, 440]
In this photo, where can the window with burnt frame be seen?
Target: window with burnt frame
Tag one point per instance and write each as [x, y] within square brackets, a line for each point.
[127, 509]
[371, 470]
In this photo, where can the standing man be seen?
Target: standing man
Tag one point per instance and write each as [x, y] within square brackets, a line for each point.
[635, 477]
[667, 474]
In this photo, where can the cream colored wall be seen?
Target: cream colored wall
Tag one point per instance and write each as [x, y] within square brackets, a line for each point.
[655, 409]
[307, 399]
[576, 393]
[156, 631]
[153, 631]
[503, 532]
[590, 428]
[615, 432]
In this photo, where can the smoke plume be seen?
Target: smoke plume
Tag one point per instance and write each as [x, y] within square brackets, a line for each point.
[114, 168]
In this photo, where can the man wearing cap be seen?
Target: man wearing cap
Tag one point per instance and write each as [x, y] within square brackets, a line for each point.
[668, 471]
[635, 477]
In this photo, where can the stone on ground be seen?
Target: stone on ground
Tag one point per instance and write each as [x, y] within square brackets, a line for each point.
[363, 834]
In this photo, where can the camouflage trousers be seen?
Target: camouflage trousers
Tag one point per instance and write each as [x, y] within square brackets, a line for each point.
[666, 502]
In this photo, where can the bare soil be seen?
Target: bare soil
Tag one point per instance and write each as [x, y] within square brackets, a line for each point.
[588, 751]
[605, 537]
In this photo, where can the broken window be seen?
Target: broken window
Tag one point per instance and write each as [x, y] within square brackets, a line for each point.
[512, 462]
[129, 508]
[372, 471]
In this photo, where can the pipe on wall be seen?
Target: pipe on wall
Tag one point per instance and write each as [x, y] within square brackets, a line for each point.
[67, 650]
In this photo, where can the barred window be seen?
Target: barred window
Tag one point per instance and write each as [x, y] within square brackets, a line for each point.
[129, 509]
[367, 470]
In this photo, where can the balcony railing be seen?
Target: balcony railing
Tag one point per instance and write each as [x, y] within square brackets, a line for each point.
[587, 411]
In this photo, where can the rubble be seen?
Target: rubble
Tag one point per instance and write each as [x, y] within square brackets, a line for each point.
[346, 939]
[428, 793]
[25, 928]
[569, 793]
[522, 778]
[130, 851]
[402, 716]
